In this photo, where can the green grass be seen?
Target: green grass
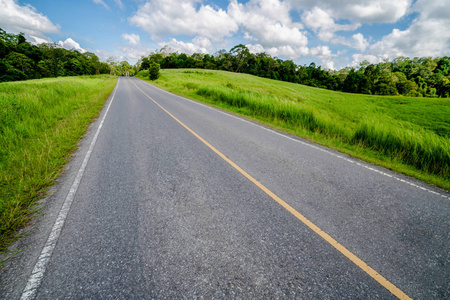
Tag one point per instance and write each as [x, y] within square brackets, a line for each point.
[407, 135]
[41, 122]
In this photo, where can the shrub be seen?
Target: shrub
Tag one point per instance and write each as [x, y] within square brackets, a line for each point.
[154, 71]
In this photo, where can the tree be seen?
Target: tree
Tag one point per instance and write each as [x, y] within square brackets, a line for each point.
[22, 63]
[156, 57]
[385, 85]
[443, 66]
[350, 84]
[9, 73]
[154, 71]
[75, 67]
[20, 60]
[443, 87]
[169, 62]
[404, 86]
[287, 70]
[145, 64]
[93, 62]
[242, 55]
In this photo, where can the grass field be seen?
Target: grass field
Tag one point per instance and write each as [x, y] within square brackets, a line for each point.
[41, 122]
[407, 135]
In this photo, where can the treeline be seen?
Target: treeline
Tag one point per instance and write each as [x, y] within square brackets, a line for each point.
[20, 60]
[417, 77]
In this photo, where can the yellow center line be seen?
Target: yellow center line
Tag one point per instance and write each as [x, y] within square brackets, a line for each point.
[356, 260]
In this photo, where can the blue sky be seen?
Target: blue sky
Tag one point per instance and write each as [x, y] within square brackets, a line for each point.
[331, 33]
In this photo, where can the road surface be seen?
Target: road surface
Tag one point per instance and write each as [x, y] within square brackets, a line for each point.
[168, 198]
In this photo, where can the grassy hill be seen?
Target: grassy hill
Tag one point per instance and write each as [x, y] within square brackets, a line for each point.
[408, 135]
[41, 122]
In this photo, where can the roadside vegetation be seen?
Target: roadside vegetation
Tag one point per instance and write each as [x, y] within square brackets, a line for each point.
[41, 122]
[406, 134]
[21, 60]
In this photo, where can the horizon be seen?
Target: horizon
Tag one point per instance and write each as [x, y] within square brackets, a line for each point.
[332, 34]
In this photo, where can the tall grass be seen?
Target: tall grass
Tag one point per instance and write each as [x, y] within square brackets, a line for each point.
[268, 106]
[41, 122]
[424, 150]
[409, 135]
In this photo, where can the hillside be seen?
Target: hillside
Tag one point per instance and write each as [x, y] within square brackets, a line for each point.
[416, 77]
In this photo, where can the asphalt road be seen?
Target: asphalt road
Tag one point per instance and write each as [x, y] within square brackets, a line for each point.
[159, 215]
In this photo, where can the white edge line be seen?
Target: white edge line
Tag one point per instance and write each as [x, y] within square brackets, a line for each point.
[35, 279]
[306, 144]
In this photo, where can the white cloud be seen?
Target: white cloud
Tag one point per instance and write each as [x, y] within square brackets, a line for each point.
[268, 26]
[321, 22]
[70, 44]
[281, 51]
[361, 11]
[359, 42]
[428, 35]
[268, 23]
[264, 22]
[433, 10]
[255, 48]
[101, 2]
[370, 11]
[423, 38]
[325, 56]
[359, 58]
[288, 51]
[161, 18]
[272, 10]
[40, 40]
[103, 55]
[198, 45]
[132, 54]
[133, 38]
[15, 18]
[323, 53]
[328, 64]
